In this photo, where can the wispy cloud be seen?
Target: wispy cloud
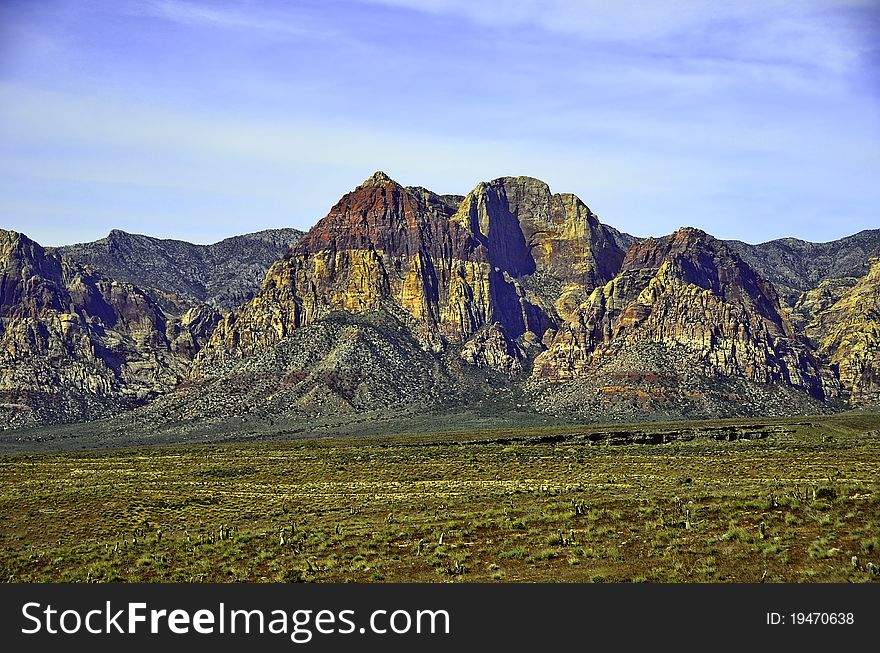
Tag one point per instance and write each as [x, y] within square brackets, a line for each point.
[186, 167]
[231, 16]
[815, 34]
[748, 119]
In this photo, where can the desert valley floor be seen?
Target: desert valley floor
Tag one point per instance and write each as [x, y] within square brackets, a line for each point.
[747, 500]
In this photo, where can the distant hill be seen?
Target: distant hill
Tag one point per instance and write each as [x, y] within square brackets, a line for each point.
[178, 274]
[796, 266]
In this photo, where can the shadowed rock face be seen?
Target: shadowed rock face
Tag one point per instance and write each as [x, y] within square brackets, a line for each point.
[455, 270]
[26, 277]
[693, 292]
[526, 228]
[75, 345]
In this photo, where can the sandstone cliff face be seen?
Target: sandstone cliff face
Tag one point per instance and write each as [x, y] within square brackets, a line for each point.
[75, 345]
[554, 241]
[692, 292]
[455, 271]
[189, 333]
[525, 229]
[848, 336]
[810, 313]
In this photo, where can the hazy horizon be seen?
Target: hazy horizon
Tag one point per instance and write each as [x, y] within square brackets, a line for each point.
[198, 121]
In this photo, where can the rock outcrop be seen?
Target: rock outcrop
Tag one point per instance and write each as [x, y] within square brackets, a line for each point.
[553, 242]
[847, 332]
[810, 313]
[75, 345]
[454, 270]
[492, 348]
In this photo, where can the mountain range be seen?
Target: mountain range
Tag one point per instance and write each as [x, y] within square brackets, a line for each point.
[180, 275]
[401, 301]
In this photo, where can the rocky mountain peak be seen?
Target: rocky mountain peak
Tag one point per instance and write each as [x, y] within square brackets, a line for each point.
[380, 214]
[122, 244]
[797, 266]
[527, 229]
[29, 276]
[651, 252]
[9, 236]
[491, 213]
[691, 256]
[378, 178]
[690, 293]
[509, 254]
[15, 246]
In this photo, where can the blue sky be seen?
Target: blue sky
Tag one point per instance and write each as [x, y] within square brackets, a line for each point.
[199, 120]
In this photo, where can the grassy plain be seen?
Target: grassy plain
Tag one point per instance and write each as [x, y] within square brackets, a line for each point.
[793, 500]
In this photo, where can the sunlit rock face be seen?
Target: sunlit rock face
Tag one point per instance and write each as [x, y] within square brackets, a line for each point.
[847, 333]
[692, 292]
[454, 266]
[76, 345]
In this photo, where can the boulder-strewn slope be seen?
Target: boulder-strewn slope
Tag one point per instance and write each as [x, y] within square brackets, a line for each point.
[179, 275]
[342, 366]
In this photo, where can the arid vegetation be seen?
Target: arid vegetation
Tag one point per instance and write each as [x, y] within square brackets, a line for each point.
[799, 502]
